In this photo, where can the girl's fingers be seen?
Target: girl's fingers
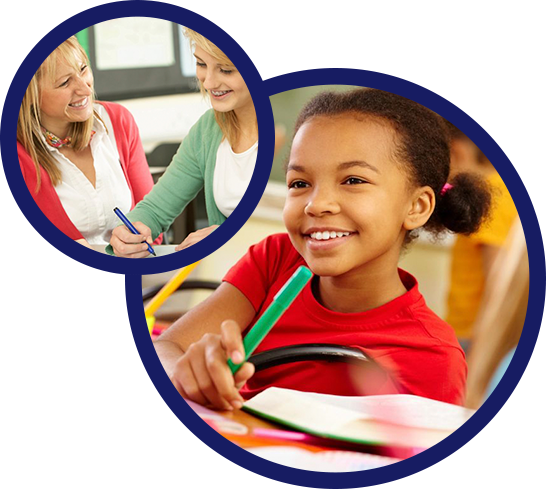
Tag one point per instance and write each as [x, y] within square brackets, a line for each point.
[185, 382]
[130, 250]
[222, 377]
[195, 237]
[126, 236]
[203, 375]
[130, 245]
[200, 367]
[243, 374]
[232, 341]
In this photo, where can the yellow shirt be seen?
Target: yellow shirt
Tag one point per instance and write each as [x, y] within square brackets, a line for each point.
[467, 273]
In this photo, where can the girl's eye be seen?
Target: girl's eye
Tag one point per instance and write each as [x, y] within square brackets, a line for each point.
[298, 184]
[354, 181]
[83, 68]
[64, 84]
[200, 65]
[226, 72]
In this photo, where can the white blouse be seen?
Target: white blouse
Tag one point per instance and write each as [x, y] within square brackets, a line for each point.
[232, 175]
[91, 208]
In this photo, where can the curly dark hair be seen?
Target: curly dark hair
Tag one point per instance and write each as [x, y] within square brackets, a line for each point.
[422, 148]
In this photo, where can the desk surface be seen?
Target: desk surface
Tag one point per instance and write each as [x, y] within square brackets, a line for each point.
[292, 448]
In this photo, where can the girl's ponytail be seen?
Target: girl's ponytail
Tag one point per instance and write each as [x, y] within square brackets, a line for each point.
[462, 206]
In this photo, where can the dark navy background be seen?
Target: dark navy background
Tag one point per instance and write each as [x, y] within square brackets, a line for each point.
[88, 402]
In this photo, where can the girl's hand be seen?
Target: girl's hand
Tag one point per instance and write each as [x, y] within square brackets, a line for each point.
[195, 237]
[130, 245]
[203, 375]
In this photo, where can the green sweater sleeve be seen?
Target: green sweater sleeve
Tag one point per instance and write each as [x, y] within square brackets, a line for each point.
[184, 178]
[191, 169]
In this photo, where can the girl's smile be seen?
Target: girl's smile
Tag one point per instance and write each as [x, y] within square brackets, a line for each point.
[317, 239]
[220, 94]
[223, 83]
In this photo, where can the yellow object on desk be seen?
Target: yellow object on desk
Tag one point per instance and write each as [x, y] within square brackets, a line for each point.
[165, 293]
[150, 320]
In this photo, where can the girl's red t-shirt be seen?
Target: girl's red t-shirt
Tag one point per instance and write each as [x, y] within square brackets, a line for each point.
[417, 349]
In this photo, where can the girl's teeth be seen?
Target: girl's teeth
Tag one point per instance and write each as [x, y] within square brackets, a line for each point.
[319, 236]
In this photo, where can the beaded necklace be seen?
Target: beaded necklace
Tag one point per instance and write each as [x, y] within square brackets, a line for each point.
[57, 142]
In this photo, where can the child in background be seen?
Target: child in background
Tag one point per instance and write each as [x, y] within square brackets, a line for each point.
[499, 325]
[366, 170]
[474, 255]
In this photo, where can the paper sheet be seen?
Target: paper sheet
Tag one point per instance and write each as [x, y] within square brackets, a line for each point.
[402, 409]
[395, 420]
[160, 250]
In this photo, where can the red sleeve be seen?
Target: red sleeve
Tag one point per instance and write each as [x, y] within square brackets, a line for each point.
[46, 198]
[257, 271]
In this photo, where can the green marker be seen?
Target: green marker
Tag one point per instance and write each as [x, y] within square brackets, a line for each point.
[281, 302]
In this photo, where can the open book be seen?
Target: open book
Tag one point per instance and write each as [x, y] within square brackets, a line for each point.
[397, 420]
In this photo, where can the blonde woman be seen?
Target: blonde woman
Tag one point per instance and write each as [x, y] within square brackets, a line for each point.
[80, 158]
[219, 155]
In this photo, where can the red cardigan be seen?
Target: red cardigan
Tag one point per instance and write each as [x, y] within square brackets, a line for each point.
[133, 162]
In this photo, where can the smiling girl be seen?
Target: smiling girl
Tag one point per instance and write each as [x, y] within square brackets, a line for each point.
[367, 169]
[219, 155]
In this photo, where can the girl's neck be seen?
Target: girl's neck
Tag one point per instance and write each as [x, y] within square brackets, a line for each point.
[246, 116]
[359, 292]
[248, 134]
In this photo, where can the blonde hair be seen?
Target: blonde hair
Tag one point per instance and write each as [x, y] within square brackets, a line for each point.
[500, 322]
[29, 127]
[228, 122]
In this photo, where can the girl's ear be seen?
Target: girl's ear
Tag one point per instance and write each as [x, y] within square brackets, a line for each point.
[422, 206]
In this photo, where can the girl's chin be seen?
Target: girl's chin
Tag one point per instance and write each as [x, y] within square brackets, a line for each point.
[325, 269]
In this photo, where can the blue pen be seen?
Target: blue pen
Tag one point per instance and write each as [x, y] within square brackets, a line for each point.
[131, 228]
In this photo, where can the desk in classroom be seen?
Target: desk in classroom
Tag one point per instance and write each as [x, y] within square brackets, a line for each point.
[294, 449]
[159, 249]
[337, 455]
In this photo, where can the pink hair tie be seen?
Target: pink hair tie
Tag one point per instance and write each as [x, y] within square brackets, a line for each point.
[445, 188]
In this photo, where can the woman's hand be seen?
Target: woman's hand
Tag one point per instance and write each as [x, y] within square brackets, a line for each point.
[83, 242]
[129, 245]
[203, 375]
[195, 237]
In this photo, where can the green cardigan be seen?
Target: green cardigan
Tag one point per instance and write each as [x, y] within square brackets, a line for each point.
[191, 169]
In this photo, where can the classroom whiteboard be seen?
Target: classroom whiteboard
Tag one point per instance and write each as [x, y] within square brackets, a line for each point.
[139, 57]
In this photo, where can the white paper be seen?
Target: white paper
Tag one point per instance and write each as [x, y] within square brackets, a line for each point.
[393, 420]
[402, 409]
